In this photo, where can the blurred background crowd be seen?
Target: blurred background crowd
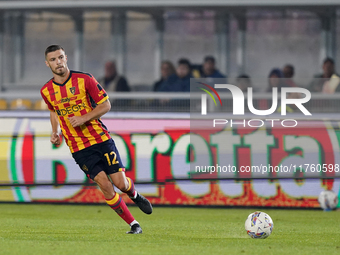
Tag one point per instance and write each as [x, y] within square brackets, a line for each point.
[176, 78]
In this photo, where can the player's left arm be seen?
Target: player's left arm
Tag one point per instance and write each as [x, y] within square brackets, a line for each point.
[100, 97]
[96, 113]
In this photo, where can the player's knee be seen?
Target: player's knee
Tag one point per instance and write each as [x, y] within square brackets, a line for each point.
[107, 187]
[104, 184]
[123, 186]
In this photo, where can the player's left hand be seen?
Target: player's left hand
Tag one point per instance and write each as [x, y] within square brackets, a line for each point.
[77, 121]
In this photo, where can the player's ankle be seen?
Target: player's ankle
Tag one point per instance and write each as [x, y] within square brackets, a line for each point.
[135, 193]
[133, 223]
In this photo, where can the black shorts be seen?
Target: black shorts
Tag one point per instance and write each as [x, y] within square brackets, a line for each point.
[99, 157]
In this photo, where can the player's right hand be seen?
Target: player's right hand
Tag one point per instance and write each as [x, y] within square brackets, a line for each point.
[55, 139]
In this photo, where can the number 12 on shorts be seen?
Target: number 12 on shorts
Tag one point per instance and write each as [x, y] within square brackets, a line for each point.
[114, 161]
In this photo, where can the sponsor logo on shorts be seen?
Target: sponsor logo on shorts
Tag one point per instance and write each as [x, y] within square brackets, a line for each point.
[84, 167]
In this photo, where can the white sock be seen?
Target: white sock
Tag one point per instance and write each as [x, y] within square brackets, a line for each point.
[133, 223]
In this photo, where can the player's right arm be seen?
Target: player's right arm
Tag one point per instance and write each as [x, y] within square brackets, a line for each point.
[55, 139]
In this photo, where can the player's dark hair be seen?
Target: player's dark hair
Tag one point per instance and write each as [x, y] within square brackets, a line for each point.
[53, 48]
[184, 61]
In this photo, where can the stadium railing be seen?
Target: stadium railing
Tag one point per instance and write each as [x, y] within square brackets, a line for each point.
[182, 102]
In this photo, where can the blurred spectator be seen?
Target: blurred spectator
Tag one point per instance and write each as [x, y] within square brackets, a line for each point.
[288, 74]
[328, 81]
[208, 69]
[243, 82]
[181, 80]
[275, 80]
[328, 68]
[112, 81]
[167, 69]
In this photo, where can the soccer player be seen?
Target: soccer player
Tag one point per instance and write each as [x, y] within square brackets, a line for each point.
[76, 102]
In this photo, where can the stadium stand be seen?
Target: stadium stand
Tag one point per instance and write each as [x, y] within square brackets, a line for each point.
[40, 105]
[3, 104]
[21, 104]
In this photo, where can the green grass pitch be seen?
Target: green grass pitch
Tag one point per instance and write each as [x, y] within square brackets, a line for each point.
[78, 229]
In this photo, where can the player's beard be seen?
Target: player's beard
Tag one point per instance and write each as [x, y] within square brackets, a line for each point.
[59, 71]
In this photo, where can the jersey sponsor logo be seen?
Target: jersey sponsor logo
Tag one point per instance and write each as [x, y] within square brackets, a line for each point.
[71, 109]
[65, 100]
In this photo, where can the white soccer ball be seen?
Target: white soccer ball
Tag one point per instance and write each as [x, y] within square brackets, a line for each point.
[259, 225]
[328, 200]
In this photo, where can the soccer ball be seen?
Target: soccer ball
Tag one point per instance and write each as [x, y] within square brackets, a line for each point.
[259, 225]
[328, 200]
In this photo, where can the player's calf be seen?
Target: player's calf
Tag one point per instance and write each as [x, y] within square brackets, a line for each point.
[130, 191]
[119, 206]
[126, 185]
[114, 200]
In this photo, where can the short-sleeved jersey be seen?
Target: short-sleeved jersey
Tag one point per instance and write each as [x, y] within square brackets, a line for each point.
[78, 95]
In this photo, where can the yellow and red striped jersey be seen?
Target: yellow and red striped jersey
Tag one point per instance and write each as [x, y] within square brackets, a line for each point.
[77, 96]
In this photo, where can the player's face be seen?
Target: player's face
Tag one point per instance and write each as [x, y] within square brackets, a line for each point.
[57, 61]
